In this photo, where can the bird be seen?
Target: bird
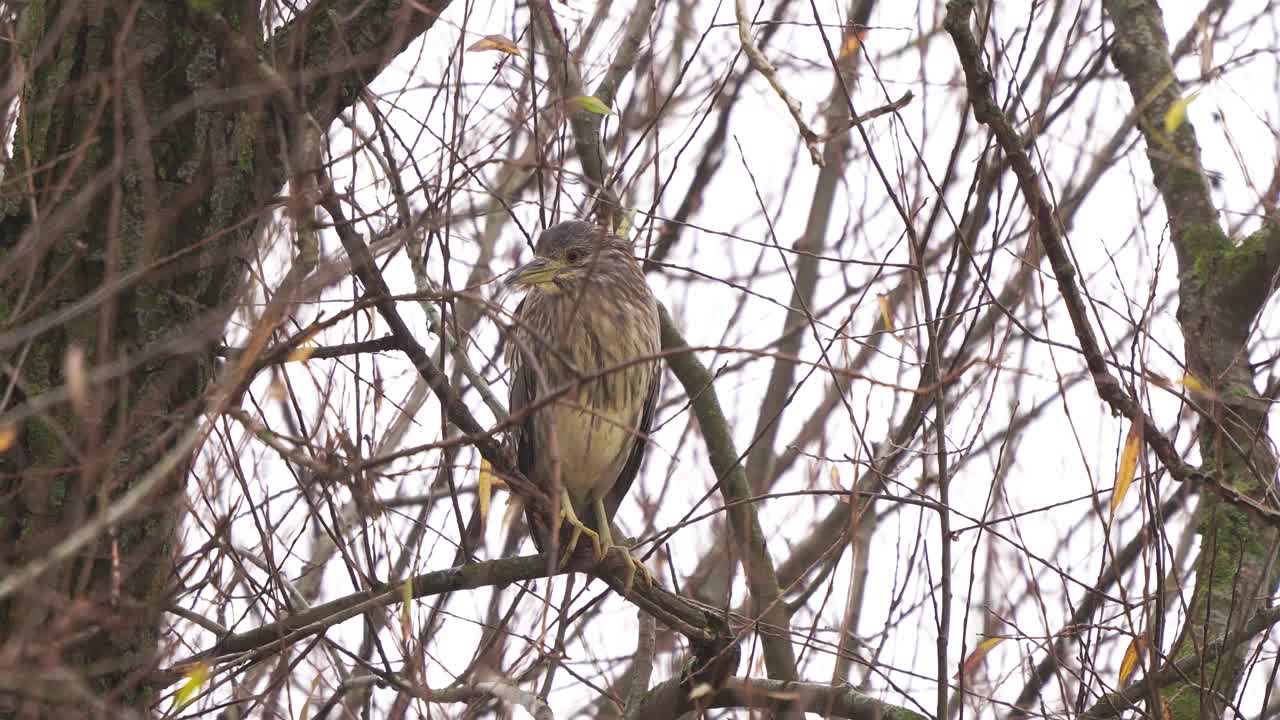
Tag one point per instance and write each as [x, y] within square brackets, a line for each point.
[586, 333]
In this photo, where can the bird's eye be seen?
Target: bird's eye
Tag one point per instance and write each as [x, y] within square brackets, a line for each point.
[575, 255]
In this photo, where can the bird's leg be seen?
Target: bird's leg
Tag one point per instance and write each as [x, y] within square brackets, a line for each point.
[606, 540]
[579, 529]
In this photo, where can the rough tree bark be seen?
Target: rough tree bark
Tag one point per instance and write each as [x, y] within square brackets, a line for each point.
[150, 141]
[1223, 284]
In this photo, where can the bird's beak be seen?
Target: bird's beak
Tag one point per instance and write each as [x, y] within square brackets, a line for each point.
[538, 271]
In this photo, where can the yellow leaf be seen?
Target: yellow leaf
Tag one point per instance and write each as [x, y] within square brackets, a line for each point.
[302, 353]
[853, 40]
[406, 606]
[1177, 113]
[8, 434]
[886, 313]
[495, 42]
[700, 690]
[1128, 465]
[591, 104]
[196, 676]
[976, 657]
[304, 713]
[484, 490]
[624, 225]
[1130, 662]
[77, 378]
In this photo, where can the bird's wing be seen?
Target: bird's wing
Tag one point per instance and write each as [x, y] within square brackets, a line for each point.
[524, 386]
[639, 444]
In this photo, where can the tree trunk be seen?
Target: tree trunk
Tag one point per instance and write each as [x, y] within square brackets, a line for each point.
[125, 216]
[1222, 287]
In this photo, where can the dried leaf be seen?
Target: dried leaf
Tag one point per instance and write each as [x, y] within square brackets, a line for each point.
[853, 40]
[276, 390]
[886, 313]
[1177, 113]
[976, 657]
[303, 352]
[1128, 465]
[8, 434]
[1130, 663]
[624, 225]
[484, 490]
[77, 378]
[195, 676]
[700, 690]
[1192, 383]
[591, 104]
[406, 608]
[495, 42]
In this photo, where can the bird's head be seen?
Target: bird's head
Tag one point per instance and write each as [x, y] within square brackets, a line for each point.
[568, 253]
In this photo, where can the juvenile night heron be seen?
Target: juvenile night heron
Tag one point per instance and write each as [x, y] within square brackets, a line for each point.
[587, 329]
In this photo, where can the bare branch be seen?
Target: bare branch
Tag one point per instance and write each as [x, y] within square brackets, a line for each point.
[665, 700]
[770, 73]
[731, 479]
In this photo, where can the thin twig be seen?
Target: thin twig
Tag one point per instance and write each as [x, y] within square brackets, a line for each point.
[762, 580]
[988, 112]
[642, 668]
[770, 73]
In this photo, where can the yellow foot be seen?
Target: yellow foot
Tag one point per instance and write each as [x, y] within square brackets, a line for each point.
[633, 564]
[569, 517]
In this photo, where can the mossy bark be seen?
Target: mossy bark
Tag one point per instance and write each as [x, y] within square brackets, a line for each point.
[1223, 285]
[148, 148]
[128, 207]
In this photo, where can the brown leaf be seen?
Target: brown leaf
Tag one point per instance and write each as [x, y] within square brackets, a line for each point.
[976, 657]
[484, 490]
[1128, 465]
[853, 40]
[77, 377]
[1131, 654]
[495, 42]
[886, 312]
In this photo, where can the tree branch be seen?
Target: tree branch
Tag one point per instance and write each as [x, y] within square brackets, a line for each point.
[731, 478]
[566, 80]
[335, 48]
[770, 73]
[988, 112]
[676, 612]
[667, 700]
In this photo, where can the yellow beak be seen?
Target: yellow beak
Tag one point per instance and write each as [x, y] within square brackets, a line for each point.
[539, 271]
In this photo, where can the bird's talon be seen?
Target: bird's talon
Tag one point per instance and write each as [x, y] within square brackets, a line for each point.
[634, 565]
[579, 529]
